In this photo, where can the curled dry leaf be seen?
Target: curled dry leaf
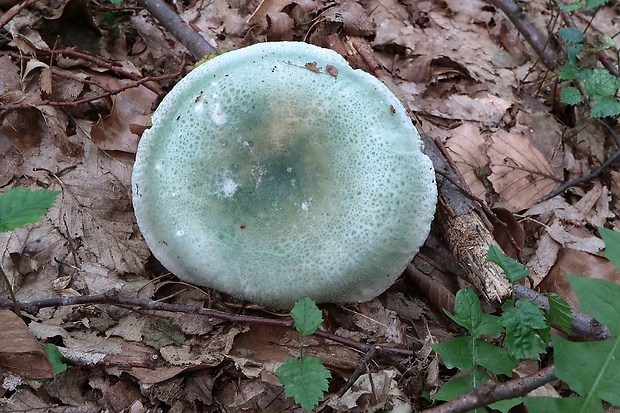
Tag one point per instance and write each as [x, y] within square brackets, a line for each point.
[521, 174]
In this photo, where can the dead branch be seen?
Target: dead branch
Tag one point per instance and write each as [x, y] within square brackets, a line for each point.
[539, 42]
[112, 298]
[194, 42]
[492, 392]
[583, 327]
[14, 11]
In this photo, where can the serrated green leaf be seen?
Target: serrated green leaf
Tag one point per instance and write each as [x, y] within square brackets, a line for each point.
[591, 369]
[468, 313]
[571, 35]
[606, 106]
[513, 269]
[566, 405]
[306, 316]
[570, 95]
[600, 83]
[55, 358]
[20, 207]
[560, 313]
[569, 8]
[612, 245]
[590, 4]
[465, 353]
[304, 379]
[526, 329]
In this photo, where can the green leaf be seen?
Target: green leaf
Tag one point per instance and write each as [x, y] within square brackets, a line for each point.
[571, 35]
[465, 353]
[460, 385]
[527, 331]
[590, 4]
[306, 316]
[599, 298]
[20, 207]
[606, 106]
[304, 379]
[513, 269]
[569, 8]
[567, 405]
[560, 313]
[504, 406]
[468, 313]
[55, 358]
[600, 83]
[570, 95]
[591, 369]
[612, 245]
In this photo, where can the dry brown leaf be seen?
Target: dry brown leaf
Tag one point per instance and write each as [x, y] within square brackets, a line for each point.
[130, 107]
[521, 175]
[267, 7]
[578, 263]
[468, 151]
[20, 352]
[545, 256]
[575, 238]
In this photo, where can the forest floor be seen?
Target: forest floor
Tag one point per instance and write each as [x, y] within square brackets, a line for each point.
[79, 81]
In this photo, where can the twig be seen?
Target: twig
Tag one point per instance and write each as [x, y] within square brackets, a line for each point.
[590, 176]
[361, 369]
[9, 287]
[492, 392]
[538, 41]
[112, 298]
[14, 11]
[194, 42]
[584, 326]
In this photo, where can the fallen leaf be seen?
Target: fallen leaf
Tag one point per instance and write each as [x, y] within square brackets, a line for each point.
[468, 150]
[521, 175]
[578, 263]
[20, 352]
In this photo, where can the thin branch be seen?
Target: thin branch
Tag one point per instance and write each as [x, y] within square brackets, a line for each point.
[590, 176]
[194, 42]
[539, 42]
[14, 11]
[492, 392]
[584, 326]
[112, 298]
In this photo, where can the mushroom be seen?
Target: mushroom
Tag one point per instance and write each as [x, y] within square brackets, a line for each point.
[277, 171]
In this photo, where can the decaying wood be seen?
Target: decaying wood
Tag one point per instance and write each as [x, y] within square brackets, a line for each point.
[464, 229]
[459, 218]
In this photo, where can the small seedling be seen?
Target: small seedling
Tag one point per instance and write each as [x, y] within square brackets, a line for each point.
[304, 378]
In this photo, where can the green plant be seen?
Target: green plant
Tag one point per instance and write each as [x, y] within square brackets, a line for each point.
[598, 84]
[305, 377]
[18, 208]
[591, 369]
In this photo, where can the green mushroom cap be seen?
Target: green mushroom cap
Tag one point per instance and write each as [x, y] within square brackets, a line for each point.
[277, 171]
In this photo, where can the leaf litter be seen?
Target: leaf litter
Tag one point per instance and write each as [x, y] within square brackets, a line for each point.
[460, 67]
